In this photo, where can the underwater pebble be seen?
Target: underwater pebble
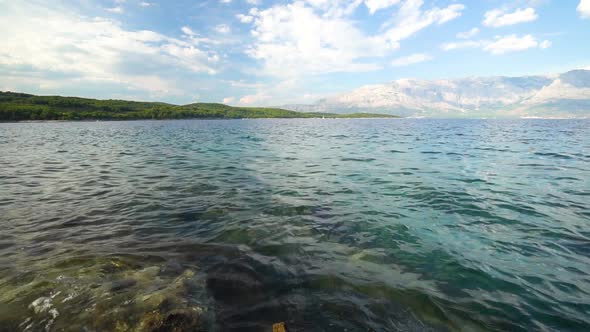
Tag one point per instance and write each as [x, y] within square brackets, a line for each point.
[26, 321]
[54, 313]
[41, 304]
[69, 297]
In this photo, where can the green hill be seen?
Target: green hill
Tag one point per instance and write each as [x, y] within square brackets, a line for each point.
[26, 107]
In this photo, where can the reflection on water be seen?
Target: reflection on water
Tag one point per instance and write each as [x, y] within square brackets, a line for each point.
[420, 225]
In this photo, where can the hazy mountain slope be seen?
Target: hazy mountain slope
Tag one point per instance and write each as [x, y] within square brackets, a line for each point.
[565, 95]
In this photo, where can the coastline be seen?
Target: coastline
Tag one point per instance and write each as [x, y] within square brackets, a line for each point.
[18, 107]
[208, 119]
[291, 118]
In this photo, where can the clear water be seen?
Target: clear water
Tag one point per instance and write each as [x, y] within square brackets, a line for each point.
[327, 225]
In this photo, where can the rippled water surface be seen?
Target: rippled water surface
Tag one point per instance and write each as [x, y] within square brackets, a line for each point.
[327, 225]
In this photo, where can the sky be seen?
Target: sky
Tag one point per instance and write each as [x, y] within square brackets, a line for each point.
[272, 53]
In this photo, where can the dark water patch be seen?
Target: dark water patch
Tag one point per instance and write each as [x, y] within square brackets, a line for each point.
[578, 192]
[401, 173]
[252, 138]
[521, 209]
[358, 159]
[553, 155]
[472, 180]
[565, 178]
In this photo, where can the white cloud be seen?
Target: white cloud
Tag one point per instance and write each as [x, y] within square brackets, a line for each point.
[146, 4]
[64, 44]
[273, 93]
[334, 8]
[411, 59]
[228, 100]
[222, 28]
[316, 37]
[294, 40]
[584, 8]
[500, 44]
[188, 31]
[462, 44]
[246, 85]
[254, 99]
[248, 18]
[254, 2]
[468, 34]
[511, 43]
[245, 18]
[189, 56]
[411, 18]
[117, 10]
[498, 17]
[225, 1]
[375, 5]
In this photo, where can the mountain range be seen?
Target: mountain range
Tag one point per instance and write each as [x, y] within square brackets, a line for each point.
[564, 95]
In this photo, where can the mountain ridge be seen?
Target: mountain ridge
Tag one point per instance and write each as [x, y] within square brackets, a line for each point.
[565, 95]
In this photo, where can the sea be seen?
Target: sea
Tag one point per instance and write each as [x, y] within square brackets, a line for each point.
[320, 224]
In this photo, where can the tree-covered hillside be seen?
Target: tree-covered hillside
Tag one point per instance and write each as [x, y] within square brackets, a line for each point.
[26, 107]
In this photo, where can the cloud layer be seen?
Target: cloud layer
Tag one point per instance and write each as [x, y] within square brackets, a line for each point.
[318, 37]
[411, 59]
[500, 44]
[254, 52]
[40, 41]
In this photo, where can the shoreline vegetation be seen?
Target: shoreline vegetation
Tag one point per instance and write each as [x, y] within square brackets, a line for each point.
[20, 107]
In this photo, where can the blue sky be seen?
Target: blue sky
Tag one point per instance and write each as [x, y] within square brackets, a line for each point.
[262, 52]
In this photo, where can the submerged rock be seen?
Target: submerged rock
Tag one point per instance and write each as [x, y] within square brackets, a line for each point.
[121, 284]
[172, 294]
[179, 320]
[122, 295]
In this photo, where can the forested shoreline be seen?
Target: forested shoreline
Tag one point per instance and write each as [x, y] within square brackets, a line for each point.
[16, 107]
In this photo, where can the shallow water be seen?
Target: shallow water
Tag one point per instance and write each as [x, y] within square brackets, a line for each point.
[419, 225]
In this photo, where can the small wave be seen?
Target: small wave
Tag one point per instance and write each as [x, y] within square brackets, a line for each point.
[358, 159]
[564, 178]
[473, 180]
[552, 154]
[252, 138]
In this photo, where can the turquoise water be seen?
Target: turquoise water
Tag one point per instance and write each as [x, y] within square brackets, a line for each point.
[328, 225]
